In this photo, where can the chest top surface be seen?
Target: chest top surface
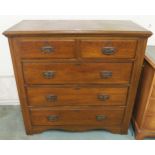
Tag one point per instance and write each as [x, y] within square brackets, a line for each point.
[28, 27]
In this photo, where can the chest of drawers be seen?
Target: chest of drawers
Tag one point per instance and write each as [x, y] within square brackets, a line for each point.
[77, 75]
[144, 111]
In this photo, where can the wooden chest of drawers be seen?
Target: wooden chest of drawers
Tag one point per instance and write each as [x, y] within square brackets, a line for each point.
[144, 112]
[77, 75]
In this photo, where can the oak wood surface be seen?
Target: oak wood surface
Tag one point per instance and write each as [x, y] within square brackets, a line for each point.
[143, 116]
[67, 73]
[115, 129]
[75, 66]
[149, 123]
[38, 96]
[134, 80]
[151, 106]
[153, 91]
[144, 92]
[122, 48]
[80, 115]
[20, 83]
[150, 55]
[113, 27]
[33, 48]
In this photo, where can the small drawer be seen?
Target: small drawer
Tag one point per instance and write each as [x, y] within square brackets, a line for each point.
[77, 116]
[51, 96]
[108, 48]
[73, 73]
[36, 48]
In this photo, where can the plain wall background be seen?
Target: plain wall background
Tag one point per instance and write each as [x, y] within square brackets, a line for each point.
[8, 91]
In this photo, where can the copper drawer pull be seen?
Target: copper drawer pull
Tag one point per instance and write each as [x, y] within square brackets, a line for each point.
[48, 74]
[108, 50]
[100, 117]
[47, 49]
[51, 98]
[106, 74]
[53, 118]
[103, 97]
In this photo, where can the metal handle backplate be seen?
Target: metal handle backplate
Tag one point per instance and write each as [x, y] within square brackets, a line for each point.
[105, 74]
[51, 98]
[48, 74]
[100, 117]
[103, 97]
[47, 49]
[53, 117]
[108, 50]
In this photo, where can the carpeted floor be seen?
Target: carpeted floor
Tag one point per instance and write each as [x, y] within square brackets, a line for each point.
[12, 128]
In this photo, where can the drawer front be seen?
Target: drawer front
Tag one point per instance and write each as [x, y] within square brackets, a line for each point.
[108, 48]
[47, 48]
[149, 123]
[151, 107]
[153, 91]
[63, 73]
[41, 96]
[76, 116]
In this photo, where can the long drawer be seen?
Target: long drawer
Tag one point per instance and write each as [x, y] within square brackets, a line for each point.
[52, 96]
[77, 116]
[47, 48]
[69, 73]
[108, 48]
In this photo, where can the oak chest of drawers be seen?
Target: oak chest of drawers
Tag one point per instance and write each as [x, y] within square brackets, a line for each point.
[144, 111]
[77, 75]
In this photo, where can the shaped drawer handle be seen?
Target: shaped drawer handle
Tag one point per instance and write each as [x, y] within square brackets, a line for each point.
[53, 117]
[100, 117]
[47, 49]
[108, 50]
[48, 74]
[103, 97]
[51, 98]
[106, 74]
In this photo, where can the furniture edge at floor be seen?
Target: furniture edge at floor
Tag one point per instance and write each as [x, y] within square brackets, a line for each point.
[141, 134]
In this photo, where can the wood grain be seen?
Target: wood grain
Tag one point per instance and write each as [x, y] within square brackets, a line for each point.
[122, 48]
[37, 96]
[32, 48]
[143, 117]
[78, 66]
[80, 115]
[71, 73]
[106, 27]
